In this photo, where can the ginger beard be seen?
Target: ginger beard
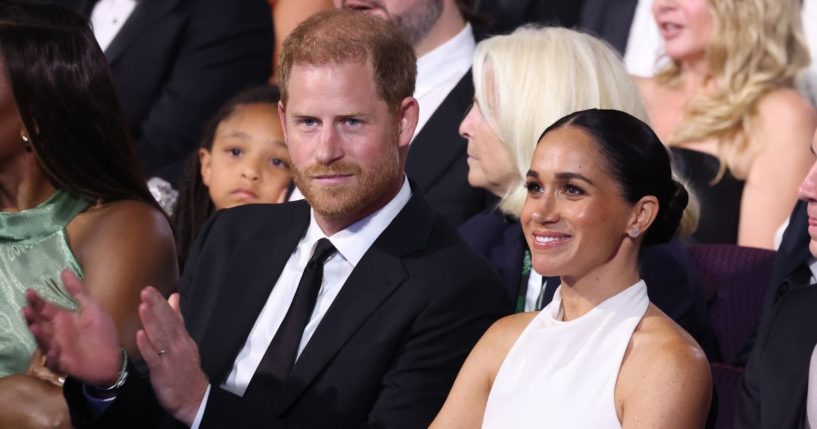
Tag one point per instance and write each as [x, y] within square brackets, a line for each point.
[366, 188]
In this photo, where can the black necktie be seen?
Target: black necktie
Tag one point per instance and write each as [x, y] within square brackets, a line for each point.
[280, 355]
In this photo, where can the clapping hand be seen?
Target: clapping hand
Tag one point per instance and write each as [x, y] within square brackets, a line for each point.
[171, 355]
[81, 343]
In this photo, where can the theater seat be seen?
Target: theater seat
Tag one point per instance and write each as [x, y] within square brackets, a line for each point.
[734, 279]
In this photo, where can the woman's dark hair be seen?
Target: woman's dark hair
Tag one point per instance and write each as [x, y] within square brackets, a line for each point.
[639, 162]
[66, 97]
[195, 205]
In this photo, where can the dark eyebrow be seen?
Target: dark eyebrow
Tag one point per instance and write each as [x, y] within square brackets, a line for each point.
[569, 176]
[564, 176]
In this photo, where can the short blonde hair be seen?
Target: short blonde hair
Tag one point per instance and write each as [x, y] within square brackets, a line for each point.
[527, 80]
[757, 46]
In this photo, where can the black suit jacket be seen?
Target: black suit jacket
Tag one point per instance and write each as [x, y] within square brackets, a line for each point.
[773, 390]
[667, 269]
[385, 354]
[437, 159]
[609, 20]
[175, 62]
[773, 386]
[790, 270]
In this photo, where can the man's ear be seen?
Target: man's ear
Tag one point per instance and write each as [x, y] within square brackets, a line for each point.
[282, 117]
[205, 160]
[407, 117]
[645, 211]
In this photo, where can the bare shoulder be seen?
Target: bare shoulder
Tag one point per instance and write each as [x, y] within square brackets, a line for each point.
[786, 107]
[122, 222]
[501, 336]
[660, 341]
[665, 378]
[118, 239]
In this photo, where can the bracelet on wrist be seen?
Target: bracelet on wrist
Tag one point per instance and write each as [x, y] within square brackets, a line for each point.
[121, 377]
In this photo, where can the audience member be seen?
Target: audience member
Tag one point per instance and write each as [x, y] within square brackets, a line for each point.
[780, 381]
[504, 16]
[71, 198]
[242, 159]
[725, 103]
[599, 355]
[382, 348]
[444, 43]
[512, 75]
[644, 55]
[286, 15]
[174, 63]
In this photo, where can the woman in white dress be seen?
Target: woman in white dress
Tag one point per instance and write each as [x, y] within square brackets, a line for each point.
[600, 355]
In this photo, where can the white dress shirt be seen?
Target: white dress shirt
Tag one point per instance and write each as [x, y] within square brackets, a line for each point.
[352, 243]
[439, 71]
[108, 17]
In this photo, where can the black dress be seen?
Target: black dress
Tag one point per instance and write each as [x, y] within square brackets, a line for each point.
[719, 201]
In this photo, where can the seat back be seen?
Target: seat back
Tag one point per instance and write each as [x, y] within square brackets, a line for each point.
[734, 279]
[726, 381]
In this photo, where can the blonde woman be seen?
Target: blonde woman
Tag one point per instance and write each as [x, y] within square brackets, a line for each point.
[524, 82]
[726, 106]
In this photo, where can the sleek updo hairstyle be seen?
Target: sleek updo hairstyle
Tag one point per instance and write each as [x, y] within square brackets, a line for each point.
[638, 161]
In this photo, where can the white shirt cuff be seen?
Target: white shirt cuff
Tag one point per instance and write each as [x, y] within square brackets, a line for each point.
[202, 406]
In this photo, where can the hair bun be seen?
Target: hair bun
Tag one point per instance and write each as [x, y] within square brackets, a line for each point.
[669, 217]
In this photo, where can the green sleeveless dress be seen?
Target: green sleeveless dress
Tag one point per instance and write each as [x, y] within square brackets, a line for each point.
[33, 251]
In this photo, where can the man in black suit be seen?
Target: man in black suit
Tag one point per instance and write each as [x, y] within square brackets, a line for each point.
[175, 62]
[397, 299]
[444, 43]
[773, 389]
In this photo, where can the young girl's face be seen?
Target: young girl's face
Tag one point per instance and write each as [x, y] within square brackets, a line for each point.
[248, 162]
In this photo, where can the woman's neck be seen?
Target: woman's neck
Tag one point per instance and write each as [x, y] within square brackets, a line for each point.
[23, 185]
[581, 294]
[695, 76]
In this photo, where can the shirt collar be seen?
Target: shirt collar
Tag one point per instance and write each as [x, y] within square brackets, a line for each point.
[445, 60]
[354, 241]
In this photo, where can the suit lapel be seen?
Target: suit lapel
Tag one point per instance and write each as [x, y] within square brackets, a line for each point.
[144, 15]
[378, 274]
[245, 290]
[439, 144]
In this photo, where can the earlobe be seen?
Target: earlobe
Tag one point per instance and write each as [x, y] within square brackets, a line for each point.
[646, 209]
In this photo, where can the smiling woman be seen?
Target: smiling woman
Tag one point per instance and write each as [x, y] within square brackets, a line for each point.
[600, 354]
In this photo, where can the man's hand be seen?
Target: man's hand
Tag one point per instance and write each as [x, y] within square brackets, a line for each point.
[81, 343]
[172, 356]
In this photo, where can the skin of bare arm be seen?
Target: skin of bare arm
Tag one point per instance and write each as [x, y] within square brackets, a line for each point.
[465, 404]
[786, 122]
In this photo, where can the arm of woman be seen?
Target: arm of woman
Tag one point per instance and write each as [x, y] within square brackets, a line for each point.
[786, 123]
[31, 403]
[123, 247]
[664, 382]
[466, 402]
